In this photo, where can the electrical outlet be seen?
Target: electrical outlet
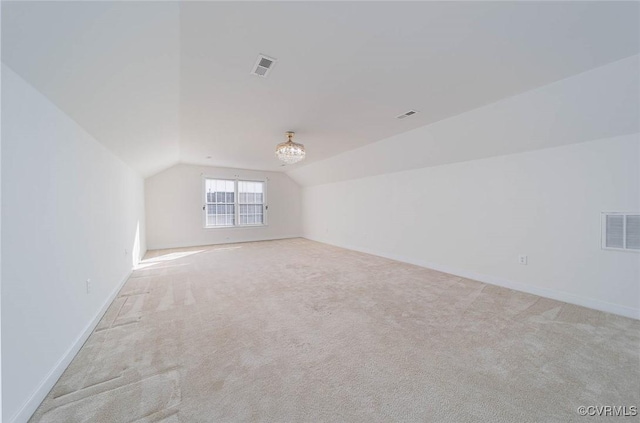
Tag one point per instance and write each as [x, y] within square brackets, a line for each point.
[88, 286]
[522, 259]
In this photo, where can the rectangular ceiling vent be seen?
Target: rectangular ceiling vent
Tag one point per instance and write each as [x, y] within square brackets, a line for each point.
[406, 115]
[621, 231]
[263, 65]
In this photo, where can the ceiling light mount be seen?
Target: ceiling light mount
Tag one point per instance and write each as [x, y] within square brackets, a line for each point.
[289, 151]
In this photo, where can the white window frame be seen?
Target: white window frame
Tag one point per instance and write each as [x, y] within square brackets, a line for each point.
[603, 231]
[236, 198]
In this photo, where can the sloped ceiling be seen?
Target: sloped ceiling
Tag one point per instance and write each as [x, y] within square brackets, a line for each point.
[602, 103]
[166, 82]
[112, 67]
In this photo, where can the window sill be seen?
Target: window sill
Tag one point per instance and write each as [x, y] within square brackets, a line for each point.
[236, 227]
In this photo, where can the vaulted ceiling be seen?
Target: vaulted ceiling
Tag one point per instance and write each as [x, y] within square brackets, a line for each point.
[166, 82]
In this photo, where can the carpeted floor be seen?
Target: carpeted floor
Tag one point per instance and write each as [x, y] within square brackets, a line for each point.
[298, 331]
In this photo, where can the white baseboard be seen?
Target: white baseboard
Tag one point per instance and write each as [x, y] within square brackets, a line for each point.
[31, 405]
[563, 296]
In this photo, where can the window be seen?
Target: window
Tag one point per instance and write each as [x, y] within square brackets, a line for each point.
[234, 203]
[621, 231]
[220, 206]
[251, 203]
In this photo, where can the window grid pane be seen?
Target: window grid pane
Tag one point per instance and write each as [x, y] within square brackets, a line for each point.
[220, 202]
[251, 203]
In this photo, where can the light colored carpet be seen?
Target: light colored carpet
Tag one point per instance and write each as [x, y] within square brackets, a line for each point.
[298, 331]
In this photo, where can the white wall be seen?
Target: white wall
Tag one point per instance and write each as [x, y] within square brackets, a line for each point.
[174, 200]
[70, 209]
[463, 195]
[474, 219]
[0, 230]
[0, 222]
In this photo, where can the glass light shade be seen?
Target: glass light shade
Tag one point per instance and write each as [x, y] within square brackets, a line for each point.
[290, 152]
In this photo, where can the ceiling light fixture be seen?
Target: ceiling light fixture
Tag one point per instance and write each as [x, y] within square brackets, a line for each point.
[290, 152]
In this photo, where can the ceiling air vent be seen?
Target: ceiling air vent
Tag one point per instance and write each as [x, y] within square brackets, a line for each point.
[406, 115]
[263, 65]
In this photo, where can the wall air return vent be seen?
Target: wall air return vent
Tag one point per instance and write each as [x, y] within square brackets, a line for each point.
[621, 231]
[263, 65]
[406, 115]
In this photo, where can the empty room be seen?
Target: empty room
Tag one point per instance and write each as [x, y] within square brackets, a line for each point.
[366, 211]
